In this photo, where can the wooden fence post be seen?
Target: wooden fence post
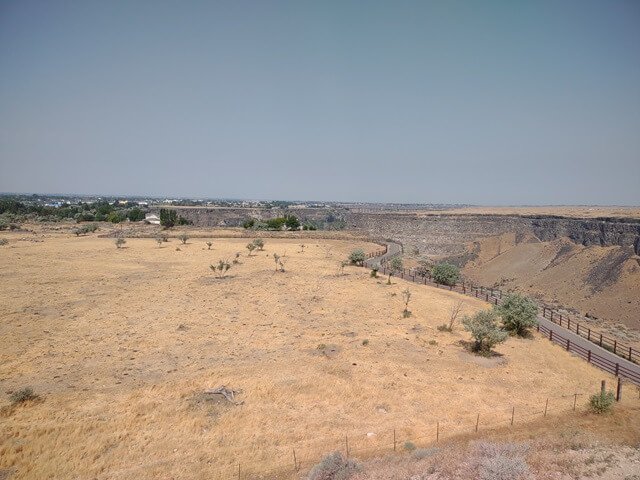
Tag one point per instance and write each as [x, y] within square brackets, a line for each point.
[603, 387]
[615, 345]
[619, 390]
[545, 407]
[589, 356]
[513, 412]
[575, 400]
[437, 431]
[295, 461]
[589, 334]
[617, 368]
[551, 335]
[346, 441]
[630, 350]
[568, 344]
[477, 422]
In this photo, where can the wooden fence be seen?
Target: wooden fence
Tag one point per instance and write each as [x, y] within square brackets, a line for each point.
[494, 296]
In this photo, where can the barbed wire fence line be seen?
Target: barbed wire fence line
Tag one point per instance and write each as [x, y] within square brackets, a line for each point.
[298, 457]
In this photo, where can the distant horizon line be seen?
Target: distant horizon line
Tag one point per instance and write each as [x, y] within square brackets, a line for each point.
[171, 197]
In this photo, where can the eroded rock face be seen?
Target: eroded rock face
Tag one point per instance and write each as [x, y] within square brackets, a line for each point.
[442, 234]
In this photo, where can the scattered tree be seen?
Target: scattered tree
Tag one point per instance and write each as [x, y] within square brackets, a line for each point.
[357, 256]
[445, 273]
[518, 313]
[251, 247]
[259, 243]
[374, 271]
[120, 242]
[209, 245]
[183, 238]
[485, 330]
[302, 248]
[406, 296]
[221, 268]
[159, 241]
[341, 266]
[282, 262]
[394, 266]
[276, 259]
[456, 309]
[4, 241]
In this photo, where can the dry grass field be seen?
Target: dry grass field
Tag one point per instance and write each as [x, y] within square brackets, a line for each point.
[121, 343]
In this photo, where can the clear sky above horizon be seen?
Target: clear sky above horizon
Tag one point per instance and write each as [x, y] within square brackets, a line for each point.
[492, 102]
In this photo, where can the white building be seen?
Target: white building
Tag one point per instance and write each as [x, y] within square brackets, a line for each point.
[152, 219]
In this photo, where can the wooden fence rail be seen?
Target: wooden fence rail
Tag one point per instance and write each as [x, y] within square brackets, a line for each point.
[494, 296]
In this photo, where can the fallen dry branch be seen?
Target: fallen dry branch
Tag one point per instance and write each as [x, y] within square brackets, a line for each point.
[227, 393]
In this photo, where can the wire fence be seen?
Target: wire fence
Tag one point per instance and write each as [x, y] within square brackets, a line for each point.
[299, 457]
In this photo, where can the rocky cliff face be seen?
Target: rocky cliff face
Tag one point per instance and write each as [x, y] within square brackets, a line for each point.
[443, 234]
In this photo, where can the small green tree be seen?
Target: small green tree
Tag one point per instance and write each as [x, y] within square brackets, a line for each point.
[251, 247]
[4, 241]
[291, 222]
[159, 241]
[183, 238]
[168, 218]
[406, 296]
[357, 256]
[120, 242]
[518, 313]
[276, 258]
[221, 268]
[395, 265]
[485, 330]
[601, 402]
[209, 244]
[374, 271]
[258, 242]
[302, 248]
[136, 215]
[445, 273]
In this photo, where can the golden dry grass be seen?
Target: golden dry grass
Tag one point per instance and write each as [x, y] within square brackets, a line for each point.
[121, 343]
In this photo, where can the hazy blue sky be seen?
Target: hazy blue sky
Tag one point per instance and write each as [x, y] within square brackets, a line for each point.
[484, 102]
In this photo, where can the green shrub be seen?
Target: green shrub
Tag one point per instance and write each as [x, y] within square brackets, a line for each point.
[518, 313]
[221, 268]
[357, 256]
[136, 215]
[445, 273]
[24, 395]
[120, 242]
[333, 467]
[409, 446]
[374, 271]
[249, 224]
[601, 402]
[251, 247]
[485, 330]
[4, 241]
[159, 241]
[183, 238]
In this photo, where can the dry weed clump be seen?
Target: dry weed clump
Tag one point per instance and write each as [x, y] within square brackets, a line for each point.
[333, 467]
